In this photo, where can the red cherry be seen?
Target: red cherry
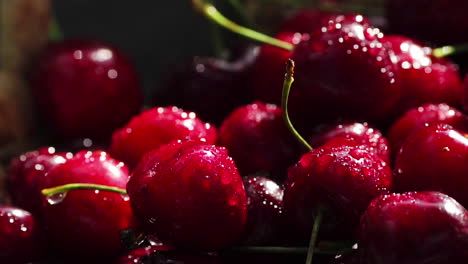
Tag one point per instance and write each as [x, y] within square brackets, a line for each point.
[258, 140]
[424, 78]
[434, 158]
[165, 254]
[85, 88]
[362, 133]
[414, 228]
[88, 220]
[341, 176]
[27, 175]
[155, 127]
[19, 239]
[417, 117]
[265, 212]
[189, 194]
[465, 94]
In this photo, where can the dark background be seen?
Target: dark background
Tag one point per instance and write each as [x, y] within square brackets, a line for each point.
[154, 34]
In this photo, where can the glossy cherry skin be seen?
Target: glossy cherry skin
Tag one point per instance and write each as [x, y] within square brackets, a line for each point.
[88, 220]
[434, 158]
[85, 88]
[414, 228]
[343, 177]
[199, 85]
[465, 94]
[265, 212]
[190, 194]
[417, 117]
[19, 239]
[27, 176]
[258, 140]
[424, 78]
[164, 255]
[344, 71]
[435, 21]
[360, 132]
[156, 127]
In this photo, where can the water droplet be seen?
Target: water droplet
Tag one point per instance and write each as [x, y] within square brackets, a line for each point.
[23, 228]
[56, 198]
[125, 197]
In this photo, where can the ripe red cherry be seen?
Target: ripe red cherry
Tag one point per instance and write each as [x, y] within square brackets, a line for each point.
[27, 176]
[436, 21]
[434, 158]
[201, 83]
[19, 239]
[265, 212]
[424, 78]
[417, 117]
[360, 132]
[165, 255]
[155, 127]
[345, 70]
[465, 94]
[258, 140]
[88, 220]
[341, 176]
[189, 194]
[85, 88]
[414, 228]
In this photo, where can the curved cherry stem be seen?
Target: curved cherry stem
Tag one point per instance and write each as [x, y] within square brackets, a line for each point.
[288, 80]
[449, 50]
[81, 186]
[313, 237]
[214, 15]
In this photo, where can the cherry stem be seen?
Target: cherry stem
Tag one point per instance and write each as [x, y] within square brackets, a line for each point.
[214, 15]
[449, 50]
[55, 33]
[288, 80]
[284, 250]
[313, 236]
[81, 186]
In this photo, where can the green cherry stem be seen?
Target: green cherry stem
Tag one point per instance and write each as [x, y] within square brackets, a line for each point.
[313, 236]
[81, 186]
[449, 50]
[283, 250]
[288, 80]
[214, 15]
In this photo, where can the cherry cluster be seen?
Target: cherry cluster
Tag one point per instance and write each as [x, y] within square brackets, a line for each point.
[380, 178]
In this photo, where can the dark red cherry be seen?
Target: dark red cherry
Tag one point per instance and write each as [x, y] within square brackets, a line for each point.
[258, 140]
[435, 21]
[164, 255]
[360, 132]
[414, 228]
[424, 78]
[19, 239]
[190, 194]
[465, 94]
[345, 70]
[434, 158]
[200, 84]
[87, 220]
[155, 127]
[341, 176]
[27, 176]
[417, 117]
[85, 88]
[265, 212]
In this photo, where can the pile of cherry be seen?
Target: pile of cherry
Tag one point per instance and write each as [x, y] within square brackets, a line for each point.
[177, 189]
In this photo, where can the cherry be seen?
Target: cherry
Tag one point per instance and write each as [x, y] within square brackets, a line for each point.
[155, 127]
[85, 88]
[465, 94]
[201, 83]
[27, 176]
[341, 176]
[88, 220]
[414, 228]
[164, 255]
[417, 117]
[424, 78]
[434, 158]
[360, 132]
[345, 70]
[265, 212]
[190, 194]
[258, 140]
[19, 238]
[436, 21]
